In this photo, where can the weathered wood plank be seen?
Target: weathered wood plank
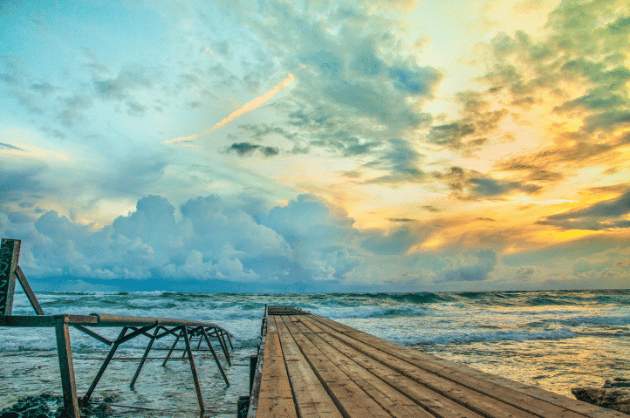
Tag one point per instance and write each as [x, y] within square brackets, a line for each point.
[311, 398]
[434, 402]
[563, 407]
[347, 395]
[29, 292]
[9, 254]
[390, 399]
[275, 398]
[464, 396]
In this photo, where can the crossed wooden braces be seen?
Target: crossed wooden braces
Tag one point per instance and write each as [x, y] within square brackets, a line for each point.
[132, 327]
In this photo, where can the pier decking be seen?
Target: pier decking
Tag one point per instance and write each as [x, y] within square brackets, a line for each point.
[315, 367]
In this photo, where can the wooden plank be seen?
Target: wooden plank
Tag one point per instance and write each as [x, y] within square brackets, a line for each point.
[275, 398]
[434, 402]
[66, 367]
[351, 400]
[27, 320]
[538, 394]
[464, 396]
[311, 399]
[431, 364]
[29, 292]
[390, 399]
[9, 253]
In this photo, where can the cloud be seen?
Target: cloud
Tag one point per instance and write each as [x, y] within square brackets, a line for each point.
[486, 187]
[401, 161]
[18, 184]
[9, 146]
[608, 214]
[247, 107]
[472, 130]
[119, 88]
[358, 89]
[470, 184]
[580, 71]
[211, 240]
[395, 242]
[475, 267]
[245, 148]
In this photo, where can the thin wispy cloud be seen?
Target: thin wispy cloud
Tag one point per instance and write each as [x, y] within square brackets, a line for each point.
[248, 107]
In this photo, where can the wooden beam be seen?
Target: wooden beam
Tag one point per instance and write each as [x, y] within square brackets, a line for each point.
[9, 253]
[66, 368]
[29, 292]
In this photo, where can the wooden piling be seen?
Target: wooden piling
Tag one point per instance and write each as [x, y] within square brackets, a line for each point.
[66, 367]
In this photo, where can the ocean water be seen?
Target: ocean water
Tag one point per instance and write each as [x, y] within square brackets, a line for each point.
[555, 340]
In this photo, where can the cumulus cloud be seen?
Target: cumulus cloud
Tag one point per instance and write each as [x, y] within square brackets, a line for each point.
[305, 241]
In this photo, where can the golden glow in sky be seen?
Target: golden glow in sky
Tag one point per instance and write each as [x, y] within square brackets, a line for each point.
[422, 145]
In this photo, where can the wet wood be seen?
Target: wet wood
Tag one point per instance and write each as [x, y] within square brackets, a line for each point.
[316, 367]
[9, 253]
[311, 398]
[275, 398]
[66, 368]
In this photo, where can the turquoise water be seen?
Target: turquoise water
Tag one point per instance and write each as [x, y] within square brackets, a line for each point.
[554, 340]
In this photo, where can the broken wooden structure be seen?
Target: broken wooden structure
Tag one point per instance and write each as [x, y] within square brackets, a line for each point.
[130, 327]
[311, 366]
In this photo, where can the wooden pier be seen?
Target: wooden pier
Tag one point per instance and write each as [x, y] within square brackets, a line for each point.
[311, 366]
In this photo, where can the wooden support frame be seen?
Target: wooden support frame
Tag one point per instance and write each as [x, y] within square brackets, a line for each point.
[131, 327]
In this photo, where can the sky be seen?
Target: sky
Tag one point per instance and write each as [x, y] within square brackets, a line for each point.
[369, 145]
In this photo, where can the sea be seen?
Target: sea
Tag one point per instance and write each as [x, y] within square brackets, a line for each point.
[555, 340]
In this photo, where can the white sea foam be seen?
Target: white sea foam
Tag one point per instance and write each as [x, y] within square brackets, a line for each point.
[522, 335]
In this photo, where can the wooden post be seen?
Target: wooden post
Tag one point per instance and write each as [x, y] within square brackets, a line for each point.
[66, 368]
[9, 253]
[29, 292]
[193, 369]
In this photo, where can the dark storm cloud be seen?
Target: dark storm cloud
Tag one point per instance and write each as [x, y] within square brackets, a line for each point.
[246, 148]
[401, 160]
[488, 187]
[524, 274]
[402, 220]
[603, 215]
[470, 184]
[260, 131]
[127, 80]
[123, 88]
[396, 242]
[44, 88]
[347, 144]
[131, 175]
[471, 131]
[477, 269]
[16, 185]
[431, 208]
[530, 166]
[9, 146]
